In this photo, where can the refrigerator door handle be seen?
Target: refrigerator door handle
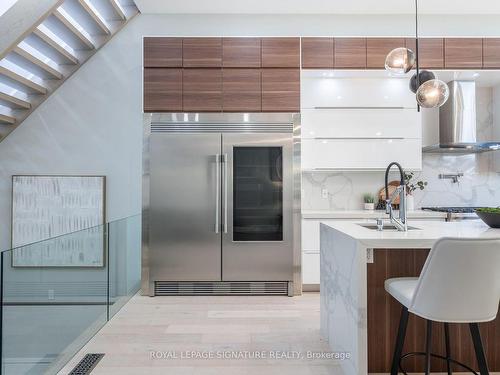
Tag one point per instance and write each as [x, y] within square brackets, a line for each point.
[225, 192]
[217, 192]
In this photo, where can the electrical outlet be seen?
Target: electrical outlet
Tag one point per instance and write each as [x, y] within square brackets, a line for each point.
[324, 193]
[51, 294]
[369, 255]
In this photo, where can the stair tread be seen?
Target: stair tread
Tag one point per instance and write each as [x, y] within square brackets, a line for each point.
[55, 42]
[22, 76]
[92, 11]
[34, 56]
[74, 27]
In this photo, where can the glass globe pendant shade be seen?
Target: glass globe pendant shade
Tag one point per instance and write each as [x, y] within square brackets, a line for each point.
[433, 93]
[400, 60]
[423, 76]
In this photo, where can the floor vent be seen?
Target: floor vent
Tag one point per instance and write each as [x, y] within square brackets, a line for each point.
[87, 364]
[221, 288]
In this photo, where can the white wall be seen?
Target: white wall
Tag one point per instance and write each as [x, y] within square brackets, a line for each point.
[93, 123]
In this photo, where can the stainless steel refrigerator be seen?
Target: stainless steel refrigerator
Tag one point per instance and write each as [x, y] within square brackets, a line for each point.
[221, 196]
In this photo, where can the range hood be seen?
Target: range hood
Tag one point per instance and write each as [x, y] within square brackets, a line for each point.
[457, 123]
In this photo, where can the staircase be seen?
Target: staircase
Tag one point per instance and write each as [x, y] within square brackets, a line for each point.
[52, 50]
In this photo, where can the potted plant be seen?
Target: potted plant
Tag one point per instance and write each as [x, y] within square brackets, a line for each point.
[411, 186]
[369, 200]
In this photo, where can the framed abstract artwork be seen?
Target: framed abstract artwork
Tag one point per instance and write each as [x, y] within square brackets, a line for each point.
[58, 221]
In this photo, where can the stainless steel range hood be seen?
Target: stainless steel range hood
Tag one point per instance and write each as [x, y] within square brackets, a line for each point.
[457, 123]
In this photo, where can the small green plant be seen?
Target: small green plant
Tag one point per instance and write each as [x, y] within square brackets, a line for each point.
[412, 185]
[369, 198]
[490, 210]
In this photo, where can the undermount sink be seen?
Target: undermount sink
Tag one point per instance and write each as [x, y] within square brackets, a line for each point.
[386, 227]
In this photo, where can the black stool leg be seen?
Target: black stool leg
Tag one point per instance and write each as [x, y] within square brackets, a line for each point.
[428, 341]
[400, 340]
[447, 346]
[478, 347]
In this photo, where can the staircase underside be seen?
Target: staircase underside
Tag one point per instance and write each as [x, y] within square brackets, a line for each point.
[52, 50]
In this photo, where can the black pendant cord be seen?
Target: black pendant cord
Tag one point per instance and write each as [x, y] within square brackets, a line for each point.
[416, 49]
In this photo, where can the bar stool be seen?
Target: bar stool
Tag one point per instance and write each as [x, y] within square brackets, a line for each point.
[460, 283]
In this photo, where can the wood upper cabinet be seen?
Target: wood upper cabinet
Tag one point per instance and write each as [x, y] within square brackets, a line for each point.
[463, 53]
[160, 52]
[280, 52]
[378, 48]
[317, 53]
[350, 53]
[241, 52]
[280, 90]
[491, 53]
[430, 50]
[162, 90]
[241, 90]
[202, 52]
[202, 90]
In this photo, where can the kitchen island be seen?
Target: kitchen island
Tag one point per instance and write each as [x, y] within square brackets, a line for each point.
[359, 318]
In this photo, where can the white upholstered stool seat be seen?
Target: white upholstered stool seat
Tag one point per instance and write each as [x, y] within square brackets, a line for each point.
[402, 289]
[459, 283]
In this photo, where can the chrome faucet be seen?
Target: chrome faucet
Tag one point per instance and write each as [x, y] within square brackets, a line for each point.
[400, 222]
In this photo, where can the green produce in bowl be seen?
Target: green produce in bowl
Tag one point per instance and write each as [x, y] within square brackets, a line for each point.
[490, 215]
[491, 210]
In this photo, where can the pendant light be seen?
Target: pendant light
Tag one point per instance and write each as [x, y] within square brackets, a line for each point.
[400, 61]
[430, 91]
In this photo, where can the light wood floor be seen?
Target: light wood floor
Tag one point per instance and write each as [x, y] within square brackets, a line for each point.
[212, 326]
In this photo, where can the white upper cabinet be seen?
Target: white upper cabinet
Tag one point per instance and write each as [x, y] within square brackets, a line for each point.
[319, 92]
[361, 123]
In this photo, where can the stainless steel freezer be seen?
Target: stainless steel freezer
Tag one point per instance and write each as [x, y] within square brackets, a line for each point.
[221, 208]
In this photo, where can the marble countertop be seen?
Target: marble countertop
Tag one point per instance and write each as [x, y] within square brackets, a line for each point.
[423, 237]
[366, 214]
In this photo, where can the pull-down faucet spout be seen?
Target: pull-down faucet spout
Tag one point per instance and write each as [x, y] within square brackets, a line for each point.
[400, 222]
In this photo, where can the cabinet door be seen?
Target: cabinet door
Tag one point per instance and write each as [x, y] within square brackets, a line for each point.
[162, 52]
[360, 154]
[241, 52]
[202, 52]
[466, 53]
[491, 53]
[430, 50]
[377, 50]
[350, 53]
[280, 90]
[162, 90]
[317, 53]
[241, 90]
[202, 90]
[280, 52]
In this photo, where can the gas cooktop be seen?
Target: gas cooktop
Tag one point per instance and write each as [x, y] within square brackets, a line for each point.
[458, 210]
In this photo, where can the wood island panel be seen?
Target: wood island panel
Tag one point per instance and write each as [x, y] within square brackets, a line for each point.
[384, 313]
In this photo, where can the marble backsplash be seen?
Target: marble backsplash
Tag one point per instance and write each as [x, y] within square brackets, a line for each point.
[480, 185]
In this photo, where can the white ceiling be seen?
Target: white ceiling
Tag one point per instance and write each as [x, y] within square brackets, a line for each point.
[318, 6]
